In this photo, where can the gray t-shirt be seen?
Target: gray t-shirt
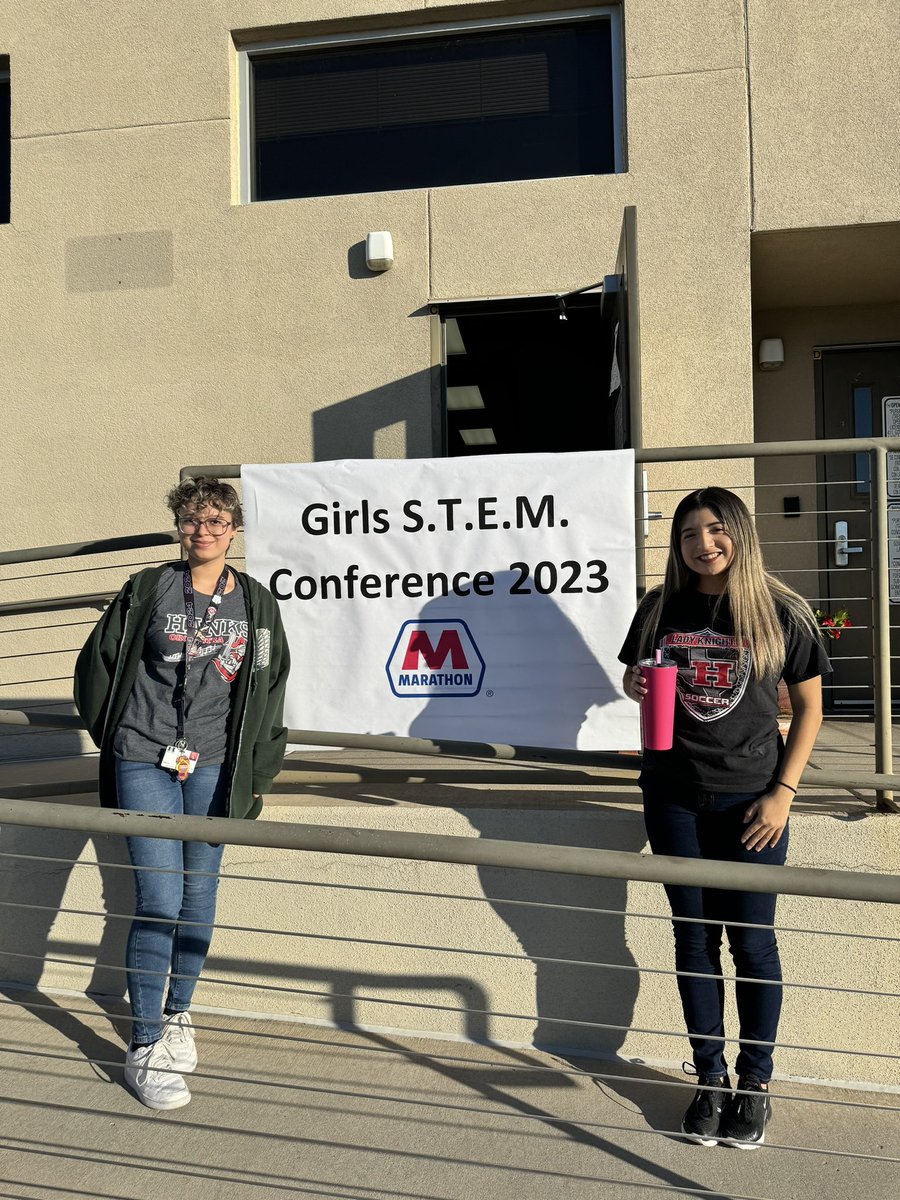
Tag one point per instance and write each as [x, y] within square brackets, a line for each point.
[149, 722]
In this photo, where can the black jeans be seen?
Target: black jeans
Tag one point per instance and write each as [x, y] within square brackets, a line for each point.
[697, 824]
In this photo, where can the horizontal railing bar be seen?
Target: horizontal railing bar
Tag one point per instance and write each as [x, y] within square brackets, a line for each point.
[507, 901]
[127, 566]
[431, 1006]
[776, 449]
[139, 541]
[17, 608]
[574, 860]
[756, 487]
[629, 764]
[506, 955]
[60, 625]
[268, 1035]
[104, 914]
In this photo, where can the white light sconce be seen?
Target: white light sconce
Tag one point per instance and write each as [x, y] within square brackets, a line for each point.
[379, 251]
[771, 354]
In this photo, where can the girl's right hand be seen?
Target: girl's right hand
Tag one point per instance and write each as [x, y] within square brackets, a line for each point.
[635, 684]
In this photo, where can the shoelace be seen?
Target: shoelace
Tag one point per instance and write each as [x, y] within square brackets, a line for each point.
[746, 1104]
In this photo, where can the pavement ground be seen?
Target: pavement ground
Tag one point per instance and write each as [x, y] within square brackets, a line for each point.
[286, 1109]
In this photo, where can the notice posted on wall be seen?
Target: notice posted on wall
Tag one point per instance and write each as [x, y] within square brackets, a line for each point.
[476, 599]
[890, 407]
[894, 551]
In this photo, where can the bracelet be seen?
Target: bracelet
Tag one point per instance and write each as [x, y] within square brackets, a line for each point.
[787, 785]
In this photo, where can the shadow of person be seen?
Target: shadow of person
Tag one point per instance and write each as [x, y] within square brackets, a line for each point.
[39, 880]
[572, 928]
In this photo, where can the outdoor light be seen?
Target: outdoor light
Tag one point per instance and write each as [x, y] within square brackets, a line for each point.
[379, 251]
[771, 354]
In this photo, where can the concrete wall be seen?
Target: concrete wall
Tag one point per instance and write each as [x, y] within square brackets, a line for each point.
[825, 111]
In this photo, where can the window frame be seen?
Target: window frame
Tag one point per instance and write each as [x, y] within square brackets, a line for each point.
[6, 78]
[247, 53]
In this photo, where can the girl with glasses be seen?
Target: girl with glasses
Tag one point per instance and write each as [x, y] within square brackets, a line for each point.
[725, 788]
[181, 686]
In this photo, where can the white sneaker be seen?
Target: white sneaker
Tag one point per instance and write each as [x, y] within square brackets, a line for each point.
[178, 1035]
[150, 1074]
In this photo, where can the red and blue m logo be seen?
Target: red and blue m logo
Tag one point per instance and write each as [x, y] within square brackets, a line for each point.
[435, 658]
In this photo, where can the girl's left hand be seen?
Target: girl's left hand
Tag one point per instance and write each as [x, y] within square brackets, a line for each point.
[765, 820]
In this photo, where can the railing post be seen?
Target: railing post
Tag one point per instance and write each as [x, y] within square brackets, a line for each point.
[881, 626]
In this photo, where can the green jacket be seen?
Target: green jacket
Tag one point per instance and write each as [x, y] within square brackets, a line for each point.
[107, 666]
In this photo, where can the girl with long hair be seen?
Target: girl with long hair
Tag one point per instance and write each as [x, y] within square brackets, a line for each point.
[724, 790]
[181, 686]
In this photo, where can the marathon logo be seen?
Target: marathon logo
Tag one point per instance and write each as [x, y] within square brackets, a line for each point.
[435, 658]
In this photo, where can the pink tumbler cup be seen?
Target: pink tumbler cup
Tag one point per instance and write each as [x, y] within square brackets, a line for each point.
[658, 706]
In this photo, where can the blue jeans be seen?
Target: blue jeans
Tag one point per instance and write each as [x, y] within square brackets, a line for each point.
[157, 947]
[695, 824]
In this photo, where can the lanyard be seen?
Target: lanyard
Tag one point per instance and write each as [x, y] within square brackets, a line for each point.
[195, 629]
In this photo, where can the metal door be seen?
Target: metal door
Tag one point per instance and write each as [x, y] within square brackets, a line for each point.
[856, 386]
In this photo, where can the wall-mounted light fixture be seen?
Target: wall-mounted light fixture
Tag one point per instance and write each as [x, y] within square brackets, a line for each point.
[379, 251]
[771, 354]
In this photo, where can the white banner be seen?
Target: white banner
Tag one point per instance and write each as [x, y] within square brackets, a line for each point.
[480, 599]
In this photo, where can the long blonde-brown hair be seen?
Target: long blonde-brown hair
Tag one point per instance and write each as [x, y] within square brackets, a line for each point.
[753, 593]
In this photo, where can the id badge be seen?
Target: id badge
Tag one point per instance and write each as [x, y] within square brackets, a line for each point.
[180, 760]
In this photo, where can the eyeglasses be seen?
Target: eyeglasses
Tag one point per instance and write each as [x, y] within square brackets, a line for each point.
[216, 527]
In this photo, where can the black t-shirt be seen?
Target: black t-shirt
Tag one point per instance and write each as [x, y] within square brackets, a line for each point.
[726, 722]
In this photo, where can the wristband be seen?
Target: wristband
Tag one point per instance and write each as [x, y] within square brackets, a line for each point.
[788, 786]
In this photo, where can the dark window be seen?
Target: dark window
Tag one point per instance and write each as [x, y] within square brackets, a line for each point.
[529, 103]
[4, 146]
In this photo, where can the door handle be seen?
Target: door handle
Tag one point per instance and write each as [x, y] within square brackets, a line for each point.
[842, 547]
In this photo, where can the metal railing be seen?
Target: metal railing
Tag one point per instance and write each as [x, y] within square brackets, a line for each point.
[352, 990]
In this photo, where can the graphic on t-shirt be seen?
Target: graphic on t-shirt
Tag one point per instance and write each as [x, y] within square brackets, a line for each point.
[223, 638]
[229, 661]
[711, 679]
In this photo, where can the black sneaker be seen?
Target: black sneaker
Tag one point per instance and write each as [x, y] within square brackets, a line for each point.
[746, 1117]
[704, 1113]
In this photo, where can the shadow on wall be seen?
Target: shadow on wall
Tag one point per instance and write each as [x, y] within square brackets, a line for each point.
[361, 427]
[579, 1006]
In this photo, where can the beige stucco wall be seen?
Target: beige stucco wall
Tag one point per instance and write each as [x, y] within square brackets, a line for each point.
[153, 322]
[382, 985]
[825, 111]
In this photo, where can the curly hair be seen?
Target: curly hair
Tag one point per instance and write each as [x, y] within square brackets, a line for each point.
[192, 495]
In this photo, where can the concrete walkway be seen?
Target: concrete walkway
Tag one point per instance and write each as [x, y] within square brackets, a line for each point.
[284, 1109]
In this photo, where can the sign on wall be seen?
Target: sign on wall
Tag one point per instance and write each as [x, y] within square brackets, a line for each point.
[480, 599]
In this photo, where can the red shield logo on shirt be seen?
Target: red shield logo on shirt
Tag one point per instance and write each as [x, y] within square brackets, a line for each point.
[711, 679]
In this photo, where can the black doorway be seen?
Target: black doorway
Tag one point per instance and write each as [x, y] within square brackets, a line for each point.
[533, 375]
